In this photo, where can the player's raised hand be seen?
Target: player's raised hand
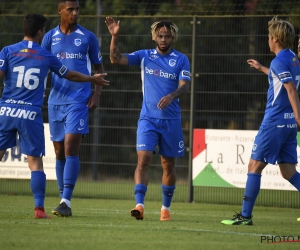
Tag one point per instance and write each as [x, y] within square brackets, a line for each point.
[112, 25]
[98, 79]
[254, 64]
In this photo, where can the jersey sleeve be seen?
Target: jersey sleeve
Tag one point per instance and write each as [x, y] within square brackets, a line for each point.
[3, 61]
[134, 58]
[46, 42]
[282, 70]
[185, 73]
[94, 51]
[57, 67]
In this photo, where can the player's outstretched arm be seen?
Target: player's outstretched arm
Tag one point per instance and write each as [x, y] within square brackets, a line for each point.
[115, 56]
[78, 77]
[255, 64]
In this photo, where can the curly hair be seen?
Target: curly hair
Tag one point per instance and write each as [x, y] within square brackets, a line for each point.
[167, 24]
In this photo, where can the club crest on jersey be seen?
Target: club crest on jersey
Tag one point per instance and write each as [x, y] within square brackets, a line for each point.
[172, 62]
[1, 63]
[81, 122]
[77, 42]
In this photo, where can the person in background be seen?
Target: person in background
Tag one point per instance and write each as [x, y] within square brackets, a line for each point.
[165, 75]
[24, 67]
[69, 104]
[276, 140]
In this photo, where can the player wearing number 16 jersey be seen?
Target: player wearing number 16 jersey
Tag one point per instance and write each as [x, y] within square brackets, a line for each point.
[24, 67]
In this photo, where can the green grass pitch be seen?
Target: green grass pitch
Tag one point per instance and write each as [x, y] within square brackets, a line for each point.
[106, 224]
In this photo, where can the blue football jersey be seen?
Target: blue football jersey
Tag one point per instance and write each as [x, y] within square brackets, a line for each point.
[285, 67]
[78, 51]
[160, 77]
[26, 65]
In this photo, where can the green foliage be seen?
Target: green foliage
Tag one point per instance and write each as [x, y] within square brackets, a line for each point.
[156, 7]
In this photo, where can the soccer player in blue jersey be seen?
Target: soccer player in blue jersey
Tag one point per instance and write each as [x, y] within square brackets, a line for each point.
[24, 66]
[165, 76]
[69, 104]
[276, 140]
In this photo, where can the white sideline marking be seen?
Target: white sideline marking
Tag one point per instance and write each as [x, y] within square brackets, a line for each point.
[224, 232]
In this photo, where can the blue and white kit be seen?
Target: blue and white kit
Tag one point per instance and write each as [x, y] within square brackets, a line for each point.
[160, 76]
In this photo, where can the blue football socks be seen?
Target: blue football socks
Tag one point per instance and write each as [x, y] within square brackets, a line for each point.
[140, 192]
[71, 173]
[295, 181]
[38, 187]
[167, 195]
[60, 166]
[251, 193]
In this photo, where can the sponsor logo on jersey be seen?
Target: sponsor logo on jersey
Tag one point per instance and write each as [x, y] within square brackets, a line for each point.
[161, 73]
[17, 102]
[186, 73]
[99, 56]
[28, 54]
[66, 55]
[62, 70]
[172, 62]
[284, 75]
[140, 145]
[288, 115]
[18, 113]
[56, 39]
[1, 63]
[77, 42]
[32, 51]
[291, 125]
[254, 147]
[153, 57]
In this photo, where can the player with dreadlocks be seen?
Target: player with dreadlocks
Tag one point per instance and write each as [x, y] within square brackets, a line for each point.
[165, 78]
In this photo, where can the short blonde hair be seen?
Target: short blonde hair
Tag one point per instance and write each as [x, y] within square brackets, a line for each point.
[167, 24]
[283, 31]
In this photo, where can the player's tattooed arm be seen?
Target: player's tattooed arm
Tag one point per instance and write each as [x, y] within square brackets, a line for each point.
[115, 56]
[184, 86]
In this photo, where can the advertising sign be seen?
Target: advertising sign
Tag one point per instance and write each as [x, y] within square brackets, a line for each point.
[221, 157]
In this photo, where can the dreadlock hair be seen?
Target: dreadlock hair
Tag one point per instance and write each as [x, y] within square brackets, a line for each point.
[167, 24]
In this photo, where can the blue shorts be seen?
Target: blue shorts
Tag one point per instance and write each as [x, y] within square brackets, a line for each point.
[27, 123]
[276, 144]
[67, 119]
[166, 134]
